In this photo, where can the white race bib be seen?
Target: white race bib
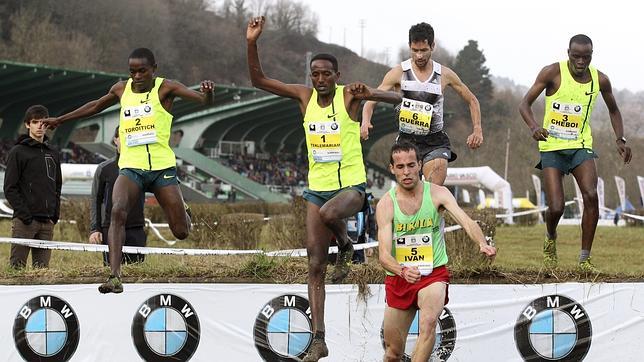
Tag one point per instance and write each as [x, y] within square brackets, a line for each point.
[565, 121]
[416, 250]
[415, 117]
[324, 141]
[138, 125]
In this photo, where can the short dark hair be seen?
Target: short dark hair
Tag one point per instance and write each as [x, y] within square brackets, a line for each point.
[582, 39]
[326, 56]
[35, 112]
[403, 146]
[420, 32]
[143, 53]
[116, 132]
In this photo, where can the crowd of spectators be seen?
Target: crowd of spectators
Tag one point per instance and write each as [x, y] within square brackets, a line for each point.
[71, 154]
[282, 169]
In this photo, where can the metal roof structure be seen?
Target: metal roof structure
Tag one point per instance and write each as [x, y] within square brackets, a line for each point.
[59, 89]
[62, 90]
[239, 113]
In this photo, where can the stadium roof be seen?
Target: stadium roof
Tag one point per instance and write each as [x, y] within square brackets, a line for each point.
[62, 90]
[242, 113]
[59, 89]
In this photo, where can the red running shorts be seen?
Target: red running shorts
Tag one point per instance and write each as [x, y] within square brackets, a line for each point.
[403, 295]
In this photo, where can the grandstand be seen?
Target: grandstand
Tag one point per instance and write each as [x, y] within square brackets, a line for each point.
[248, 146]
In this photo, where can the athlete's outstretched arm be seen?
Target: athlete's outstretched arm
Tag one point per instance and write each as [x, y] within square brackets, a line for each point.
[90, 108]
[205, 96]
[615, 117]
[544, 78]
[257, 77]
[474, 140]
[361, 92]
[385, 218]
[444, 198]
[389, 82]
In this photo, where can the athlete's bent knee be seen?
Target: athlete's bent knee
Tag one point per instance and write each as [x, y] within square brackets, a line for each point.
[316, 266]
[393, 354]
[180, 233]
[427, 325]
[328, 215]
[119, 213]
[556, 209]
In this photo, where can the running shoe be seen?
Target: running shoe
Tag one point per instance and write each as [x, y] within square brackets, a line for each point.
[317, 350]
[587, 267]
[112, 285]
[550, 252]
[342, 263]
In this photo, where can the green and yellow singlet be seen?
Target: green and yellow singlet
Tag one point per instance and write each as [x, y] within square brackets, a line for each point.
[145, 130]
[418, 240]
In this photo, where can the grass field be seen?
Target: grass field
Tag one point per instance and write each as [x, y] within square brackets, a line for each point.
[617, 252]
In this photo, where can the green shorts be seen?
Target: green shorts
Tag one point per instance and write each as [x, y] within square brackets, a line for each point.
[148, 181]
[321, 197]
[565, 160]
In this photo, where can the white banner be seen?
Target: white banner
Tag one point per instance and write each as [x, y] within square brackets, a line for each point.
[640, 182]
[481, 198]
[536, 181]
[600, 193]
[249, 322]
[466, 196]
[621, 191]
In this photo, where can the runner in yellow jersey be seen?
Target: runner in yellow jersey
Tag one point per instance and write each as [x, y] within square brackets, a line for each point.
[411, 248]
[336, 177]
[565, 140]
[147, 162]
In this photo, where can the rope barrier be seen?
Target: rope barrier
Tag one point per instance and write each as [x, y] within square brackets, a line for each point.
[71, 246]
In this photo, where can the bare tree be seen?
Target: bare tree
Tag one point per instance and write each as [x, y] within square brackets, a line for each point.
[293, 17]
[36, 38]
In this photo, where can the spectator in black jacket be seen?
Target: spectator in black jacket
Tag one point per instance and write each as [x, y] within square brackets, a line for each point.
[101, 209]
[32, 184]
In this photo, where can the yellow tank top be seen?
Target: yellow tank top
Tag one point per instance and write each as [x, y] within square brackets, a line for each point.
[567, 113]
[333, 143]
[144, 130]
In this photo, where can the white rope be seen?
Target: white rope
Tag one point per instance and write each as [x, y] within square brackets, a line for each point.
[71, 246]
[527, 212]
[632, 216]
[156, 232]
[334, 249]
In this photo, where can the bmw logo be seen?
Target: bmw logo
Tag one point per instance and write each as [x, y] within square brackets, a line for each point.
[46, 329]
[283, 329]
[553, 328]
[166, 328]
[445, 337]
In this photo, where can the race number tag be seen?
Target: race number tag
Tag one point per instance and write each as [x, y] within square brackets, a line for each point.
[324, 139]
[415, 117]
[565, 121]
[416, 250]
[138, 125]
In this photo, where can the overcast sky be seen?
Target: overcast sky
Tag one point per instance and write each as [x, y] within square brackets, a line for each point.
[518, 38]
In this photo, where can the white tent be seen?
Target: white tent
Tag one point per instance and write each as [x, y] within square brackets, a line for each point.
[483, 177]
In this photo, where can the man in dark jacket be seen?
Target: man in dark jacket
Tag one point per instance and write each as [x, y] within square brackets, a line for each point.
[32, 184]
[101, 209]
